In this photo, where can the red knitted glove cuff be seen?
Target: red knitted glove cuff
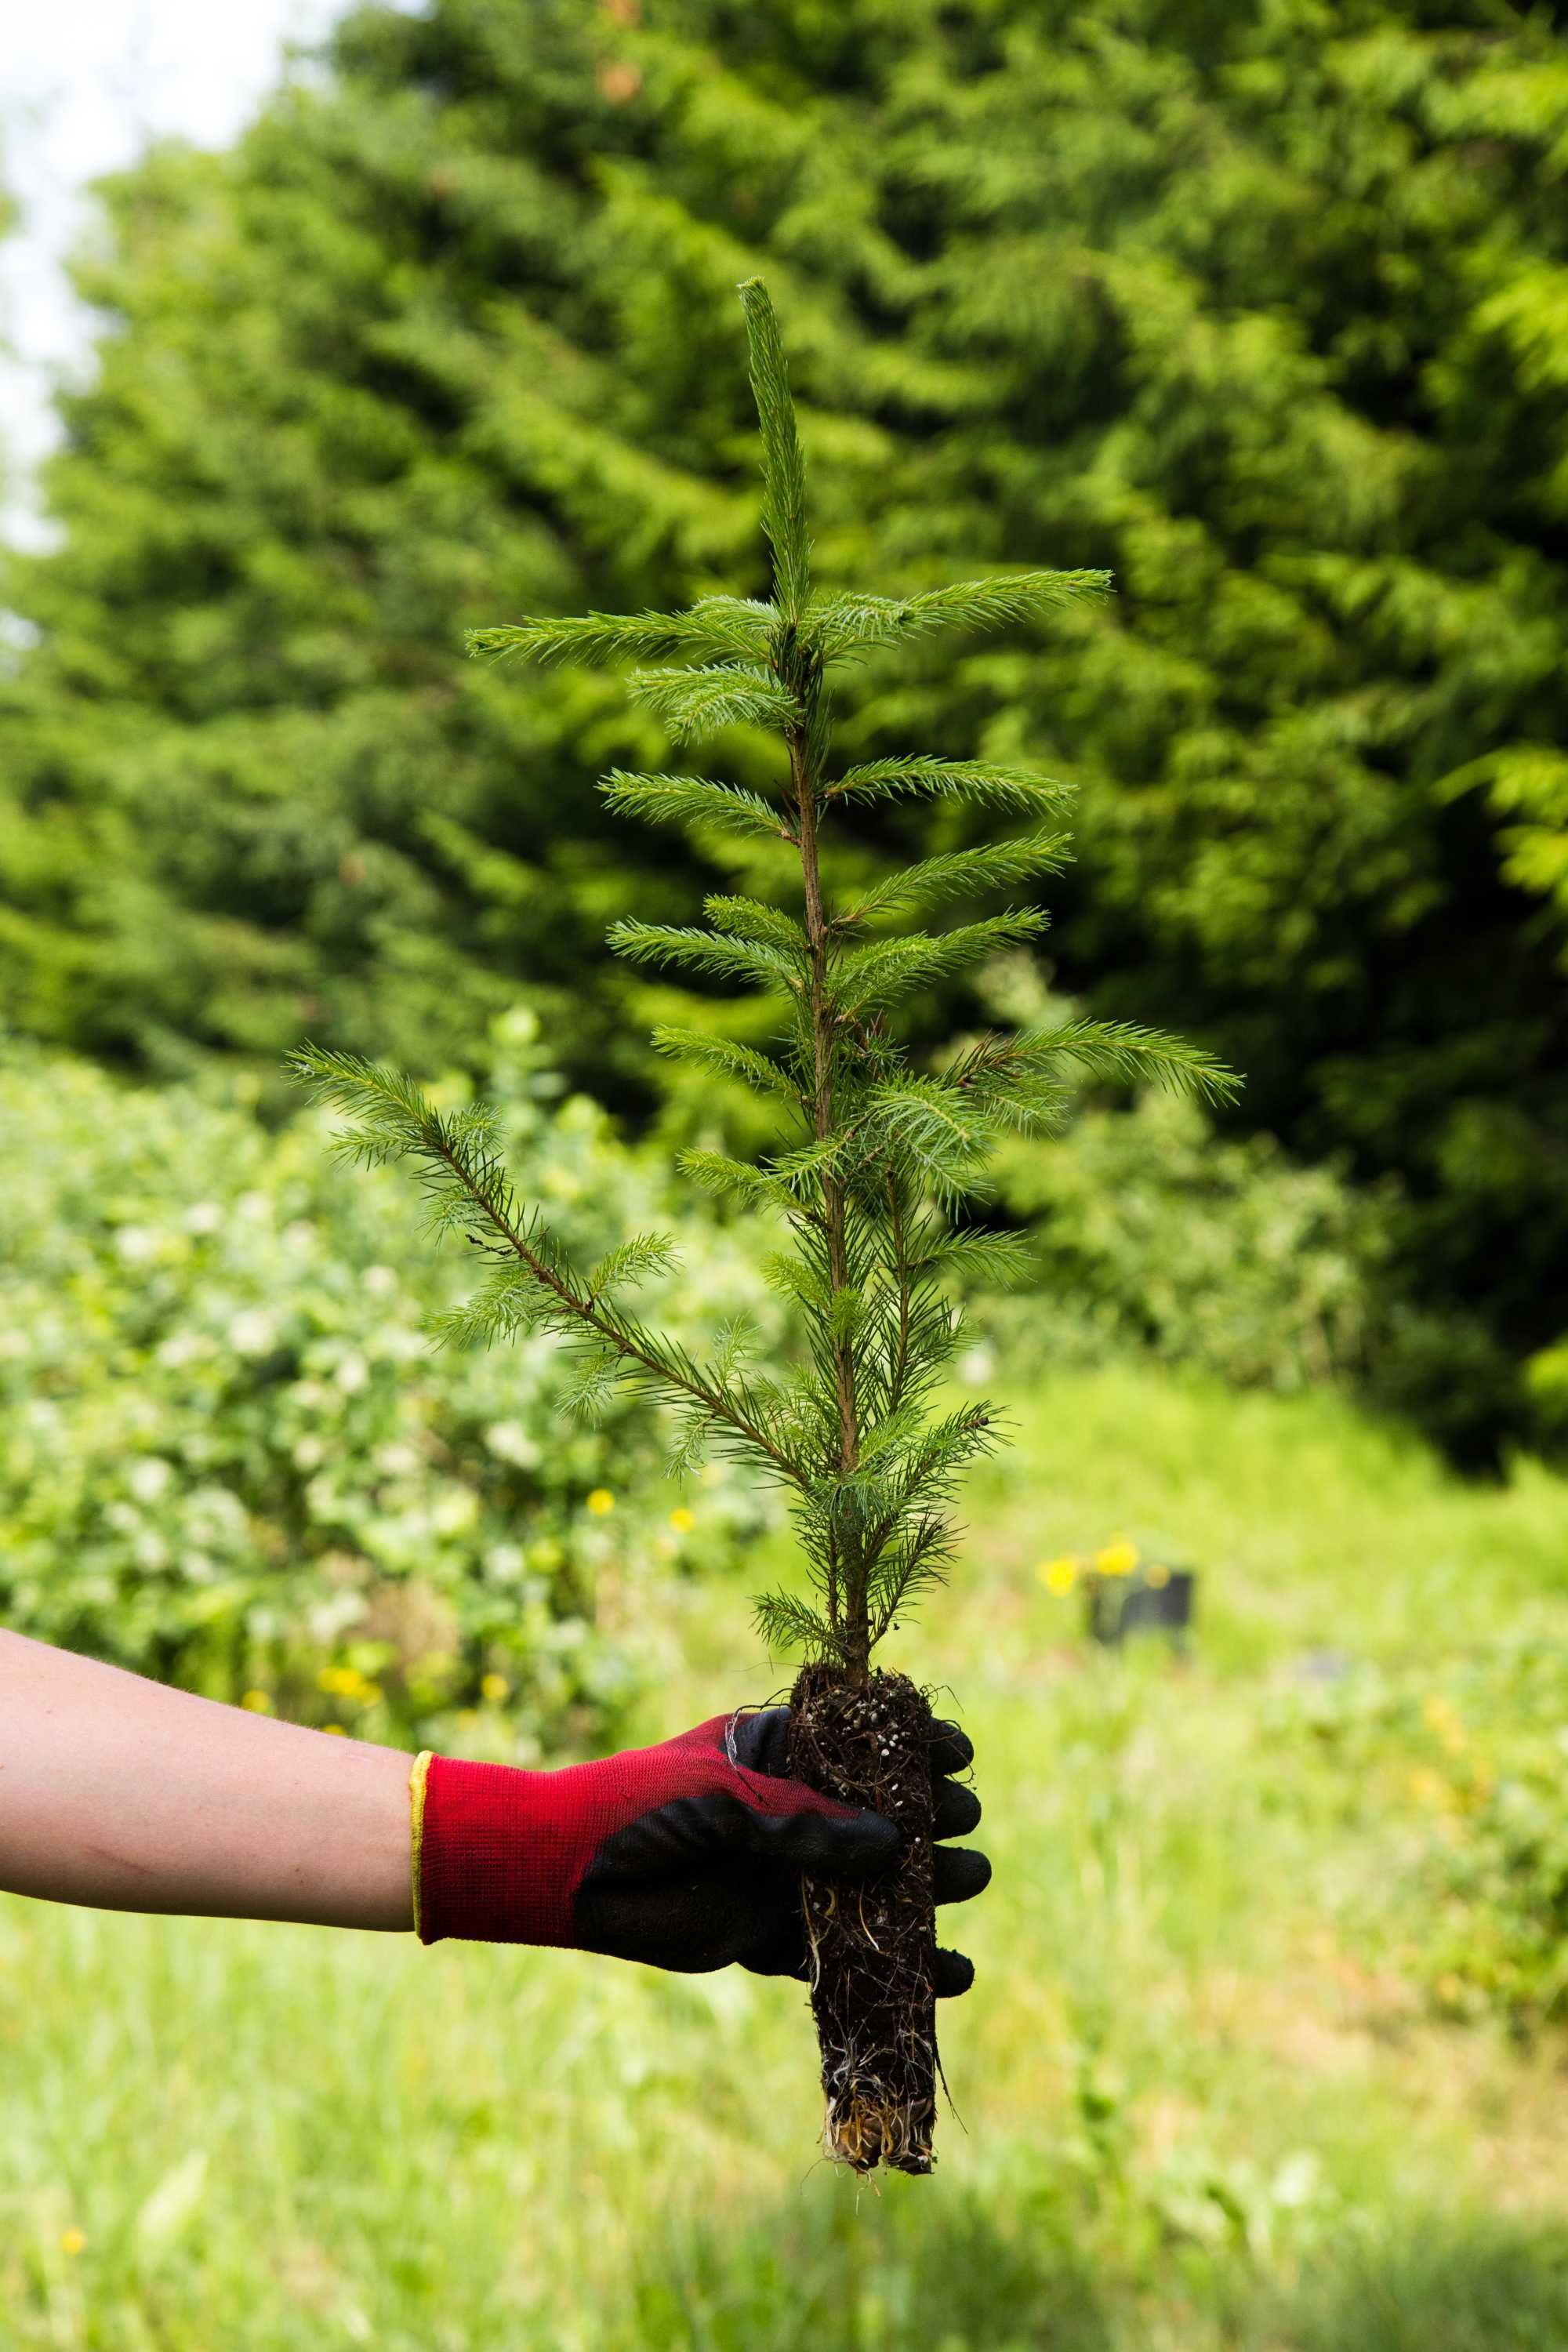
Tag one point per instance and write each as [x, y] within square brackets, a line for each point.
[499, 1853]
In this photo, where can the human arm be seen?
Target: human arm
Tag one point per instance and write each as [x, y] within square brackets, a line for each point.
[118, 1792]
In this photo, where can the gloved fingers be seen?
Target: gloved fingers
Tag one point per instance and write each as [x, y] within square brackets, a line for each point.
[861, 1843]
[855, 1841]
[784, 1954]
[693, 1921]
[959, 1871]
[779, 1949]
[953, 1973]
[951, 1750]
[955, 1810]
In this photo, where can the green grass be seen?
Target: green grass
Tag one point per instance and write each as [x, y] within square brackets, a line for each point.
[1200, 2108]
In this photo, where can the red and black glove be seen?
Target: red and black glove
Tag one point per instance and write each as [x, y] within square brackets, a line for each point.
[686, 1855]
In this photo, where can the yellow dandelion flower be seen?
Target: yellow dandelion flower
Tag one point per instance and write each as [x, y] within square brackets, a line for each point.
[72, 2241]
[257, 1701]
[1118, 1557]
[1060, 1576]
[1156, 1574]
[600, 1501]
[336, 1730]
[495, 1687]
[683, 1521]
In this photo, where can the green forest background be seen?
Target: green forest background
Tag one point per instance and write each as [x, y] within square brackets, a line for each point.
[1259, 305]
[1263, 305]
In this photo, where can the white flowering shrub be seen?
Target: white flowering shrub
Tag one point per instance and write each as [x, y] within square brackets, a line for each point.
[1149, 1232]
[231, 1457]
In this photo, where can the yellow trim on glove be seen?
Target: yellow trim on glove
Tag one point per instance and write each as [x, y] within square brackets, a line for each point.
[417, 1779]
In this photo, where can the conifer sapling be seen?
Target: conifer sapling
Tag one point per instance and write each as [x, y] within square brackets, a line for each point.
[873, 1162]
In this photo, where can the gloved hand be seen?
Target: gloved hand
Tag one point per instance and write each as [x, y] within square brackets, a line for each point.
[686, 1856]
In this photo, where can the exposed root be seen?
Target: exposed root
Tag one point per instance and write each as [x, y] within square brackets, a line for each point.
[865, 2135]
[872, 1959]
[814, 1940]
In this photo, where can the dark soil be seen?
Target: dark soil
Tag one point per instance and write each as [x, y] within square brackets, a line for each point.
[872, 1943]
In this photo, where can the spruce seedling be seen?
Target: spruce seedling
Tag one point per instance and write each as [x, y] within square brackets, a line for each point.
[873, 1162]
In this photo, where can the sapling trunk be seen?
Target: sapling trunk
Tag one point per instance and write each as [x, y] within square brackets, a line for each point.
[854, 1734]
[868, 1179]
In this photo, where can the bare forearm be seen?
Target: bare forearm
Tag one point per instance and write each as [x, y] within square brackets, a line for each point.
[117, 1792]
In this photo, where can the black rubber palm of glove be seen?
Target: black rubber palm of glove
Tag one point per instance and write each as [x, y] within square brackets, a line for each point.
[708, 1878]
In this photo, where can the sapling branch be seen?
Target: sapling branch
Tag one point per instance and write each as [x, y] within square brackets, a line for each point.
[359, 1086]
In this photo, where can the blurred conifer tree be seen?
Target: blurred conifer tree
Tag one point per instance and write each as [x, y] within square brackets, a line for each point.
[1259, 304]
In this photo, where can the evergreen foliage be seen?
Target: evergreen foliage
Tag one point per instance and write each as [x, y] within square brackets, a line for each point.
[1258, 303]
[874, 1157]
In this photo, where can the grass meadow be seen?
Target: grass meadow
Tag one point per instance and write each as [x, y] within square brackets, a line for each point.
[1205, 2094]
